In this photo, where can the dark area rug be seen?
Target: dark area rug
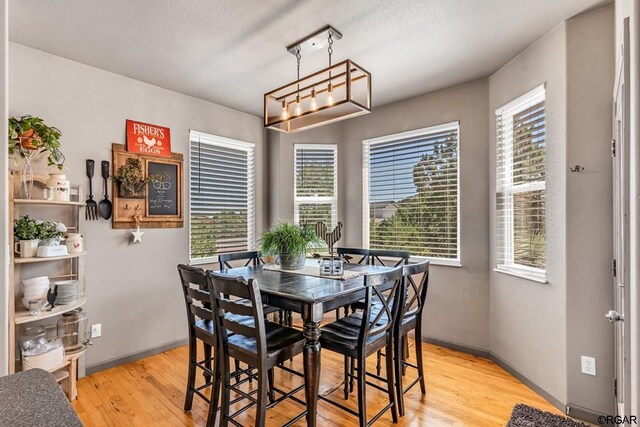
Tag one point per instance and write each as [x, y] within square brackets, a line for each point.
[526, 416]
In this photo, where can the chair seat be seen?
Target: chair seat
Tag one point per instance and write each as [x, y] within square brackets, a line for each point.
[282, 344]
[341, 336]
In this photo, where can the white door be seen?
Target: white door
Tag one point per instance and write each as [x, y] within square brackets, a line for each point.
[620, 156]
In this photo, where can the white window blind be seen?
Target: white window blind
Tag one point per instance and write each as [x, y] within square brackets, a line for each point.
[316, 184]
[411, 192]
[221, 196]
[520, 186]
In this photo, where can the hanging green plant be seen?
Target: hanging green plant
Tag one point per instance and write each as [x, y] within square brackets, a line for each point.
[30, 136]
[131, 180]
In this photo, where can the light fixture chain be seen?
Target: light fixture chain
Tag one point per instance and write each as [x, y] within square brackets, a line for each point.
[298, 57]
[330, 49]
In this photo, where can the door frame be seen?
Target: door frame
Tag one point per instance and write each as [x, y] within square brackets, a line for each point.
[621, 226]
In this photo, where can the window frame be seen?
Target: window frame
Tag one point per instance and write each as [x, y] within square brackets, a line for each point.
[366, 149]
[250, 149]
[298, 200]
[505, 185]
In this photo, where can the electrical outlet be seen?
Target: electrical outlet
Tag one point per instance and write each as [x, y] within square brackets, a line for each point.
[588, 365]
[96, 330]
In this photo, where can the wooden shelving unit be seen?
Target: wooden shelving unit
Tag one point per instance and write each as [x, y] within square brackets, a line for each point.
[72, 265]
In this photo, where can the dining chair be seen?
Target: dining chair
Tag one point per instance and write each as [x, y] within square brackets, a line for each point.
[201, 327]
[387, 258]
[253, 258]
[354, 255]
[362, 334]
[416, 279]
[245, 335]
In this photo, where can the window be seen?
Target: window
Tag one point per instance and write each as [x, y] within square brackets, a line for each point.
[316, 184]
[520, 186]
[411, 193]
[221, 196]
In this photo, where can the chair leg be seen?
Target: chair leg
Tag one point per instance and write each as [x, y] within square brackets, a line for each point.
[388, 356]
[347, 369]
[261, 410]
[405, 354]
[362, 390]
[352, 369]
[418, 344]
[226, 392]
[397, 372]
[272, 393]
[191, 376]
[378, 362]
[207, 362]
[215, 393]
[237, 367]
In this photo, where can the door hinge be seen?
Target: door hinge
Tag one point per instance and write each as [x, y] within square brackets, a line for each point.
[613, 148]
[614, 267]
[615, 387]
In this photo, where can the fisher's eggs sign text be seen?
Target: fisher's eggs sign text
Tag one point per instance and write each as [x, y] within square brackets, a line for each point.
[147, 139]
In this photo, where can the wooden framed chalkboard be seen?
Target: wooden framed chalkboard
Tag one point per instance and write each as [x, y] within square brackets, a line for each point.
[163, 188]
[162, 203]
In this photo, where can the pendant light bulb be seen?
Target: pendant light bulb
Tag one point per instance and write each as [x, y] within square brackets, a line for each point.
[314, 104]
[285, 112]
[330, 95]
[298, 110]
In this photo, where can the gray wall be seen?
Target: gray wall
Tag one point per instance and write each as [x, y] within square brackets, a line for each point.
[458, 306]
[542, 329]
[132, 289]
[527, 318]
[590, 79]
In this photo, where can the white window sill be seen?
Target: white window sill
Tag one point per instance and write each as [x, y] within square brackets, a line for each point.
[439, 262]
[523, 274]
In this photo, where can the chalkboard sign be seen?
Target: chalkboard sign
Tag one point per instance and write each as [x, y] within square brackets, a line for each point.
[162, 190]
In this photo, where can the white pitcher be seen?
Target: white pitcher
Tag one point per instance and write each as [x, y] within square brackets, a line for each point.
[26, 248]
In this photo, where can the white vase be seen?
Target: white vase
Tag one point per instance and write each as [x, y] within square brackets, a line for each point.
[26, 248]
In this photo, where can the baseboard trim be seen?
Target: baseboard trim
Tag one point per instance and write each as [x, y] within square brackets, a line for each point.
[574, 411]
[92, 369]
[474, 351]
[584, 414]
[526, 381]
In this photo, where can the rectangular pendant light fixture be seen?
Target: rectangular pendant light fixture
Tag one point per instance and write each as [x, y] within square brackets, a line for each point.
[338, 92]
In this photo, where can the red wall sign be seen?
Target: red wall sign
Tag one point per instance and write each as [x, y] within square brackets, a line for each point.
[147, 139]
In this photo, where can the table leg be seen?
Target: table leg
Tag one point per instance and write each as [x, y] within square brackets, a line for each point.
[311, 332]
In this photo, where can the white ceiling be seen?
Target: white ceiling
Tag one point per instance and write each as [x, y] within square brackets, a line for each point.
[233, 51]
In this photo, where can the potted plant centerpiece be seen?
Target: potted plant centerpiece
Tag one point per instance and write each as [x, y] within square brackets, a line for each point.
[28, 137]
[290, 243]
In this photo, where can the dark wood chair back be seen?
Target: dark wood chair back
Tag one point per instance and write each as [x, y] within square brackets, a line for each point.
[383, 292]
[389, 258]
[234, 300]
[250, 257]
[416, 278]
[196, 295]
[354, 255]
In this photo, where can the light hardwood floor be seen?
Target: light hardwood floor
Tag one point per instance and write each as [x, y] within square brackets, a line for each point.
[462, 390]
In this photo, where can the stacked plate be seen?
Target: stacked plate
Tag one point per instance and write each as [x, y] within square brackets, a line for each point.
[35, 289]
[68, 291]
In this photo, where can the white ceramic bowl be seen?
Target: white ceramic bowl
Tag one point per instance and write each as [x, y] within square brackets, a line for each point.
[36, 281]
[25, 302]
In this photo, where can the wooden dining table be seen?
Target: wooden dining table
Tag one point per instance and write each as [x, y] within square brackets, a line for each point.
[311, 297]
